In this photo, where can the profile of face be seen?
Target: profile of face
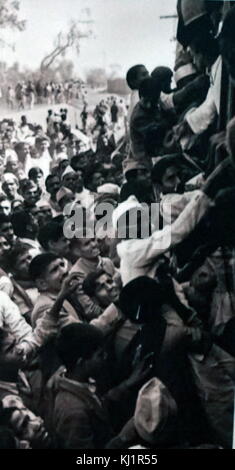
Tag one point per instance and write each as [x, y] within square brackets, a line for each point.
[61, 246]
[38, 177]
[23, 151]
[80, 182]
[96, 363]
[17, 205]
[21, 267]
[7, 230]
[141, 75]
[4, 245]
[97, 180]
[5, 207]
[86, 248]
[170, 180]
[107, 290]
[54, 276]
[26, 425]
[166, 86]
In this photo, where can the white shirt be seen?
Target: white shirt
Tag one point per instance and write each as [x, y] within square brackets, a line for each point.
[200, 118]
[138, 256]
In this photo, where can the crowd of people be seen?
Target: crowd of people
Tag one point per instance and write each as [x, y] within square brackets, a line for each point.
[124, 338]
[28, 93]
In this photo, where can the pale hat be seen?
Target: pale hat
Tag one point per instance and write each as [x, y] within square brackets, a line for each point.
[67, 170]
[108, 188]
[9, 177]
[155, 412]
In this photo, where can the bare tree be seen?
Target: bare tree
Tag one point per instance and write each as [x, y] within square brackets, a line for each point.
[63, 42]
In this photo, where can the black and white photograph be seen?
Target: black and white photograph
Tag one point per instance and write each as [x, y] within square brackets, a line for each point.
[117, 229]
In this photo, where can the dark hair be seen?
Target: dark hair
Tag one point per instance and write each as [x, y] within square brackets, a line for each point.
[17, 250]
[135, 188]
[33, 172]
[161, 166]
[62, 161]
[3, 197]
[26, 184]
[19, 221]
[149, 89]
[132, 74]
[89, 284]
[4, 219]
[52, 231]
[19, 146]
[40, 263]
[161, 73]
[49, 178]
[78, 340]
[75, 159]
[96, 168]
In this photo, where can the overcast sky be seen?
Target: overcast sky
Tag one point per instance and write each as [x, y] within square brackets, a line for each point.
[126, 32]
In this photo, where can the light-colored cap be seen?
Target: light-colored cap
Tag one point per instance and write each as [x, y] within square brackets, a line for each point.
[155, 411]
[9, 177]
[109, 188]
[67, 170]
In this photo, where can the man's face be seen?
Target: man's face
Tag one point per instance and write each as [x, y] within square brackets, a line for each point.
[17, 206]
[56, 272]
[31, 195]
[22, 263]
[170, 180]
[141, 75]
[44, 215]
[53, 185]
[143, 176]
[96, 363]
[5, 207]
[7, 230]
[62, 149]
[87, 248]
[70, 181]
[97, 180]
[38, 178]
[10, 188]
[24, 150]
[82, 163]
[61, 246]
[4, 245]
[107, 291]
[12, 164]
[44, 145]
[80, 182]
[27, 426]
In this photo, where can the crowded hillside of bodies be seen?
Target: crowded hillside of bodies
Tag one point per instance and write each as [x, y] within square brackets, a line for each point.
[111, 340]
